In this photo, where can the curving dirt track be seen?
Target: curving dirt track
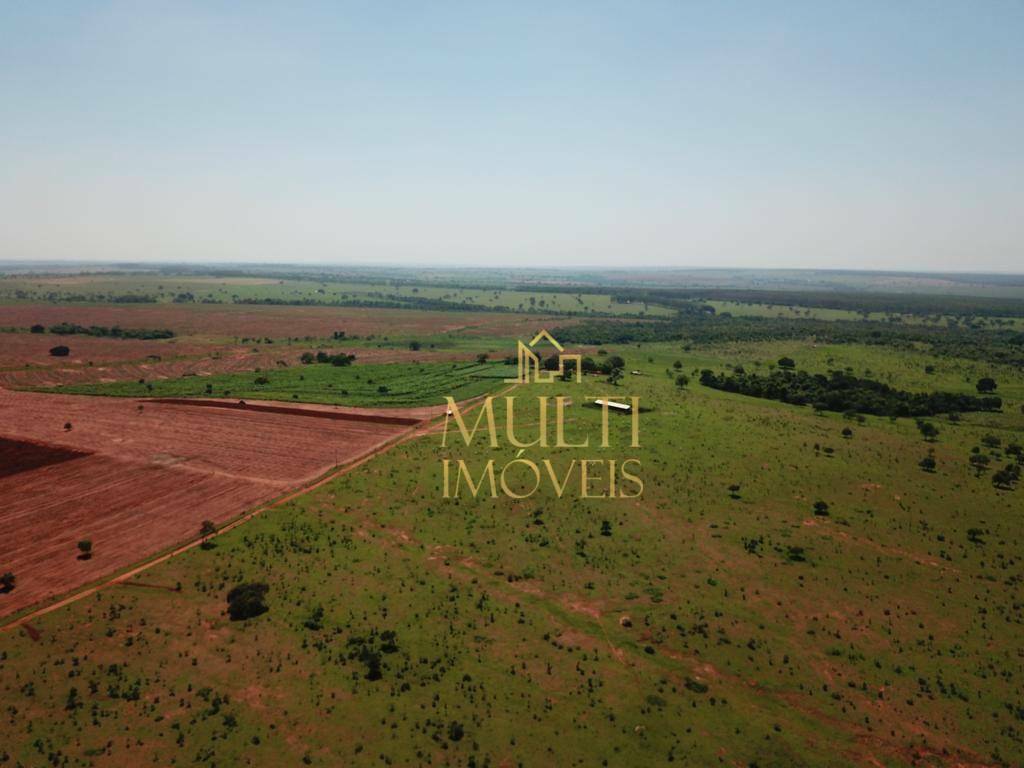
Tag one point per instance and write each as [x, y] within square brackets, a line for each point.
[136, 476]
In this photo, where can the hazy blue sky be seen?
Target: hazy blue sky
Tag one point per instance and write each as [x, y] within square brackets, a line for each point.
[860, 134]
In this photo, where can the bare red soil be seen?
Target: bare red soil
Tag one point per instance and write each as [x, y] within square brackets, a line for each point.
[239, 320]
[143, 475]
[20, 349]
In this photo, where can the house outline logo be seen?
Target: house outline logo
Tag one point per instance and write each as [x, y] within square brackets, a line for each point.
[528, 360]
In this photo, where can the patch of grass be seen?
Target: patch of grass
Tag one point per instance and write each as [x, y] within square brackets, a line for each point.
[373, 385]
[401, 624]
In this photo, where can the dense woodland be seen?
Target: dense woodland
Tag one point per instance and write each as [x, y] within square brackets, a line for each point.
[71, 329]
[844, 393]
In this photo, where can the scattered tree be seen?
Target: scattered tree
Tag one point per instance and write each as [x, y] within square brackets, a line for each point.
[1006, 478]
[455, 731]
[206, 530]
[85, 548]
[247, 601]
[315, 621]
[986, 385]
[980, 463]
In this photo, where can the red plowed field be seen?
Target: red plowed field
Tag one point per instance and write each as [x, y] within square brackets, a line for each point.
[136, 477]
[20, 349]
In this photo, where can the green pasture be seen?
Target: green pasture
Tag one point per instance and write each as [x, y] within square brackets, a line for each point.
[96, 288]
[790, 312]
[715, 620]
[378, 385]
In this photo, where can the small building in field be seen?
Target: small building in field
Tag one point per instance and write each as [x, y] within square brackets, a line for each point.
[614, 406]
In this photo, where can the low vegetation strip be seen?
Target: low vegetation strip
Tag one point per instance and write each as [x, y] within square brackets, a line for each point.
[70, 329]
[372, 418]
[401, 385]
[843, 393]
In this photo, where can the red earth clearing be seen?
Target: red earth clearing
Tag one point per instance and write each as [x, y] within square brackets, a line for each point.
[139, 476]
[18, 350]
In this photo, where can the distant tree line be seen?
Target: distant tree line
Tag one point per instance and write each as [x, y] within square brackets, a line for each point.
[69, 329]
[587, 364]
[341, 359]
[853, 301]
[994, 346]
[844, 393]
[55, 297]
[396, 301]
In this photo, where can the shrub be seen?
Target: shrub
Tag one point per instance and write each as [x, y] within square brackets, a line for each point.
[60, 351]
[247, 601]
[207, 529]
[695, 685]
